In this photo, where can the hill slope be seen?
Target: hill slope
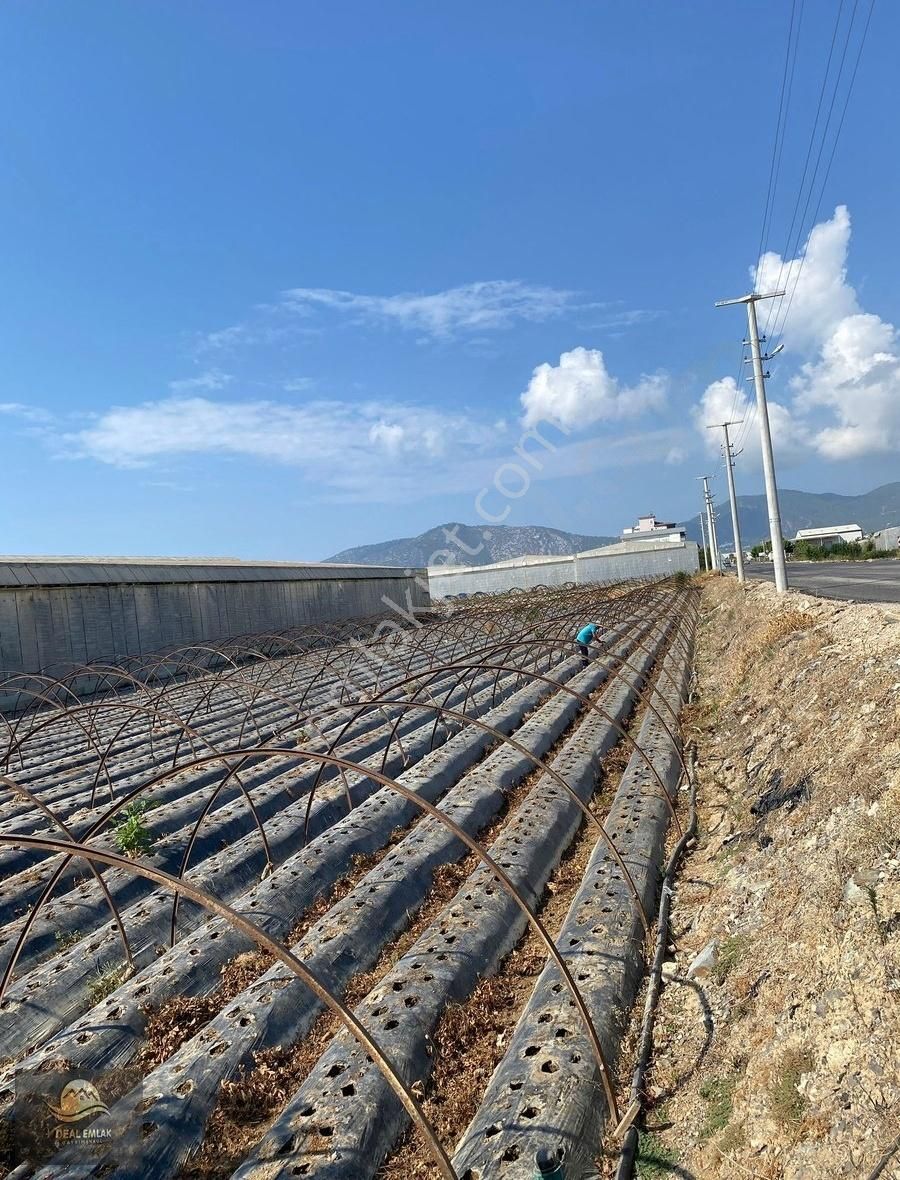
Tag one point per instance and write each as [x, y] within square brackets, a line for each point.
[804, 510]
[478, 545]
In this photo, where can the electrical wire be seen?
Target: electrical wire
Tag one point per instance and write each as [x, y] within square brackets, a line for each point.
[781, 309]
[784, 101]
[788, 252]
[787, 84]
[778, 330]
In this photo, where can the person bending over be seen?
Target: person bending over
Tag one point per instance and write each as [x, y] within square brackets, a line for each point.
[586, 635]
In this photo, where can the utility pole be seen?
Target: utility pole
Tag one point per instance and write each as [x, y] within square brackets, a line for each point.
[711, 525]
[706, 564]
[713, 531]
[735, 523]
[764, 432]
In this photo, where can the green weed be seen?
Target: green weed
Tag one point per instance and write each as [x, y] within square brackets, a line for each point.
[718, 1094]
[654, 1158]
[107, 978]
[731, 951]
[131, 834]
[65, 939]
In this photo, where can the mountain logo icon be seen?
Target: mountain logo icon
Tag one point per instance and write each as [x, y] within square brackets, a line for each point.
[79, 1100]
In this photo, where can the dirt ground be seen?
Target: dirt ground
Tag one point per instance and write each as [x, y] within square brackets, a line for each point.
[780, 1058]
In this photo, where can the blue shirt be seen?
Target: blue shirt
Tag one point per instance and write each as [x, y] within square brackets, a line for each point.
[586, 634]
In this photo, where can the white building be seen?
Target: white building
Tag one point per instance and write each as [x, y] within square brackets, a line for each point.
[830, 534]
[648, 528]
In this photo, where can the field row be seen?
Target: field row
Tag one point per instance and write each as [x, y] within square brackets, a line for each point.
[307, 867]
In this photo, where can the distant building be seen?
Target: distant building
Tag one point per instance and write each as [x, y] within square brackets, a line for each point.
[886, 539]
[830, 535]
[648, 528]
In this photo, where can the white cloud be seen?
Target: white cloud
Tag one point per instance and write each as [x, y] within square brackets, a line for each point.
[468, 309]
[32, 414]
[722, 401]
[474, 307]
[211, 380]
[227, 338]
[471, 311]
[614, 317]
[675, 455]
[353, 451]
[388, 435]
[844, 400]
[822, 297]
[857, 379]
[580, 391]
[315, 434]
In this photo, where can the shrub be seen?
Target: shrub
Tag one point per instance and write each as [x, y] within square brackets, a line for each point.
[131, 834]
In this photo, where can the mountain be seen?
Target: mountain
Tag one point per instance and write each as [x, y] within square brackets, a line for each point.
[477, 545]
[805, 510]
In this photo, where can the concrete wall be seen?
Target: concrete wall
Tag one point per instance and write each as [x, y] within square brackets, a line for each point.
[614, 563]
[644, 561]
[887, 539]
[59, 612]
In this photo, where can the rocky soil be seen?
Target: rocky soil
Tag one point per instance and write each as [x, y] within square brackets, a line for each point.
[777, 1045]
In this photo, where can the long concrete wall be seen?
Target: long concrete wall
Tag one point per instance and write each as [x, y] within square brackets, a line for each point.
[616, 563]
[60, 612]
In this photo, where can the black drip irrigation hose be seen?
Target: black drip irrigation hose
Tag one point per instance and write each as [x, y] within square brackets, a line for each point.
[885, 1160]
[628, 1152]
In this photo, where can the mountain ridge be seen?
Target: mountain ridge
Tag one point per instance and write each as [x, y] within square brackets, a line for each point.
[454, 543]
[465, 544]
[873, 510]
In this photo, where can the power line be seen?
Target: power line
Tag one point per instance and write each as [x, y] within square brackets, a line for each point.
[779, 330]
[784, 102]
[788, 252]
[782, 308]
[780, 129]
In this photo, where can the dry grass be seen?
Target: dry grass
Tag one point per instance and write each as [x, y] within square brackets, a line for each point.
[760, 643]
[787, 1104]
[182, 1017]
[248, 1103]
[790, 691]
[472, 1037]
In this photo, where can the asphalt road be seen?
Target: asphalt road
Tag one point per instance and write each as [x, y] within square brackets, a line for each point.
[861, 581]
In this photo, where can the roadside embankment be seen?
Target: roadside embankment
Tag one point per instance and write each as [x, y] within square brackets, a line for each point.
[777, 1039]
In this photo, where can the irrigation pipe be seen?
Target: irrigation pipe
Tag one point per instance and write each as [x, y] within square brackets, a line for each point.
[885, 1160]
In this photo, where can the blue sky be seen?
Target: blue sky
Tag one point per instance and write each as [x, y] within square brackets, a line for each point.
[285, 278]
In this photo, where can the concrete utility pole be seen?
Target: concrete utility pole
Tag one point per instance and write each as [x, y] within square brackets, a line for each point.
[764, 432]
[729, 467]
[703, 538]
[713, 530]
[711, 525]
